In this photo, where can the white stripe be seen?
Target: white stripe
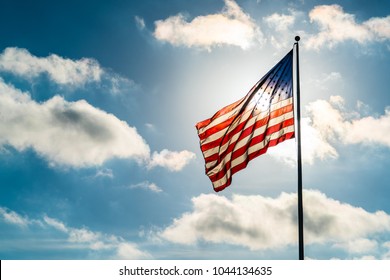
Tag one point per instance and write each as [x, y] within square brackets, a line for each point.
[259, 146]
[242, 158]
[228, 114]
[257, 132]
[240, 144]
[245, 116]
[251, 149]
[223, 117]
[220, 133]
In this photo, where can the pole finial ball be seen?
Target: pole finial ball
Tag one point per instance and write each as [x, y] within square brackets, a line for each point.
[297, 38]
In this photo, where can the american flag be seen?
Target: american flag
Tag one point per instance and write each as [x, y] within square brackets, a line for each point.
[245, 129]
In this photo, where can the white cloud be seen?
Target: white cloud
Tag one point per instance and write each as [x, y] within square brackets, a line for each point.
[230, 27]
[334, 122]
[105, 172]
[75, 134]
[358, 246]
[314, 146]
[117, 84]
[329, 122]
[150, 127]
[327, 80]
[369, 130]
[140, 22]
[380, 27]
[386, 244]
[280, 22]
[97, 241]
[83, 236]
[282, 26]
[60, 70]
[259, 223]
[12, 217]
[55, 224]
[337, 26]
[127, 250]
[174, 161]
[148, 186]
[106, 245]
[63, 71]
[66, 133]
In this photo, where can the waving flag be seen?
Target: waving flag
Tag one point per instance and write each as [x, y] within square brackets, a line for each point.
[245, 129]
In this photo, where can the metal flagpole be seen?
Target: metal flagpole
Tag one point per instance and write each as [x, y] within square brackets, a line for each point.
[299, 160]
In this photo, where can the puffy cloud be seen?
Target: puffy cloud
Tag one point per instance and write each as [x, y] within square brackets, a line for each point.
[60, 70]
[66, 133]
[75, 134]
[329, 122]
[230, 27]
[380, 27]
[369, 130]
[337, 26]
[333, 122]
[63, 71]
[258, 222]
[173, 161]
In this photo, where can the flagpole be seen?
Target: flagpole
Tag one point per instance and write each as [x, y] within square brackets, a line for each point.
[299, 157]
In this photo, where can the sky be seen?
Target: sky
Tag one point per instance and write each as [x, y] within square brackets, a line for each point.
[99, 155]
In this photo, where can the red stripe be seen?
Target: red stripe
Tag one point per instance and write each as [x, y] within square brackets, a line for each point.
[244, 133]
[221, 126]
[255, 140]
[244, 149]
[225, 138]
[221, 112]
[249, 158]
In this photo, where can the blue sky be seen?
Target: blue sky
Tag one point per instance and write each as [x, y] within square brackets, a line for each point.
[99, 157]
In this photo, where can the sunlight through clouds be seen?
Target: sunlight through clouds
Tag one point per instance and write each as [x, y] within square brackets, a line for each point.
[328, 122]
